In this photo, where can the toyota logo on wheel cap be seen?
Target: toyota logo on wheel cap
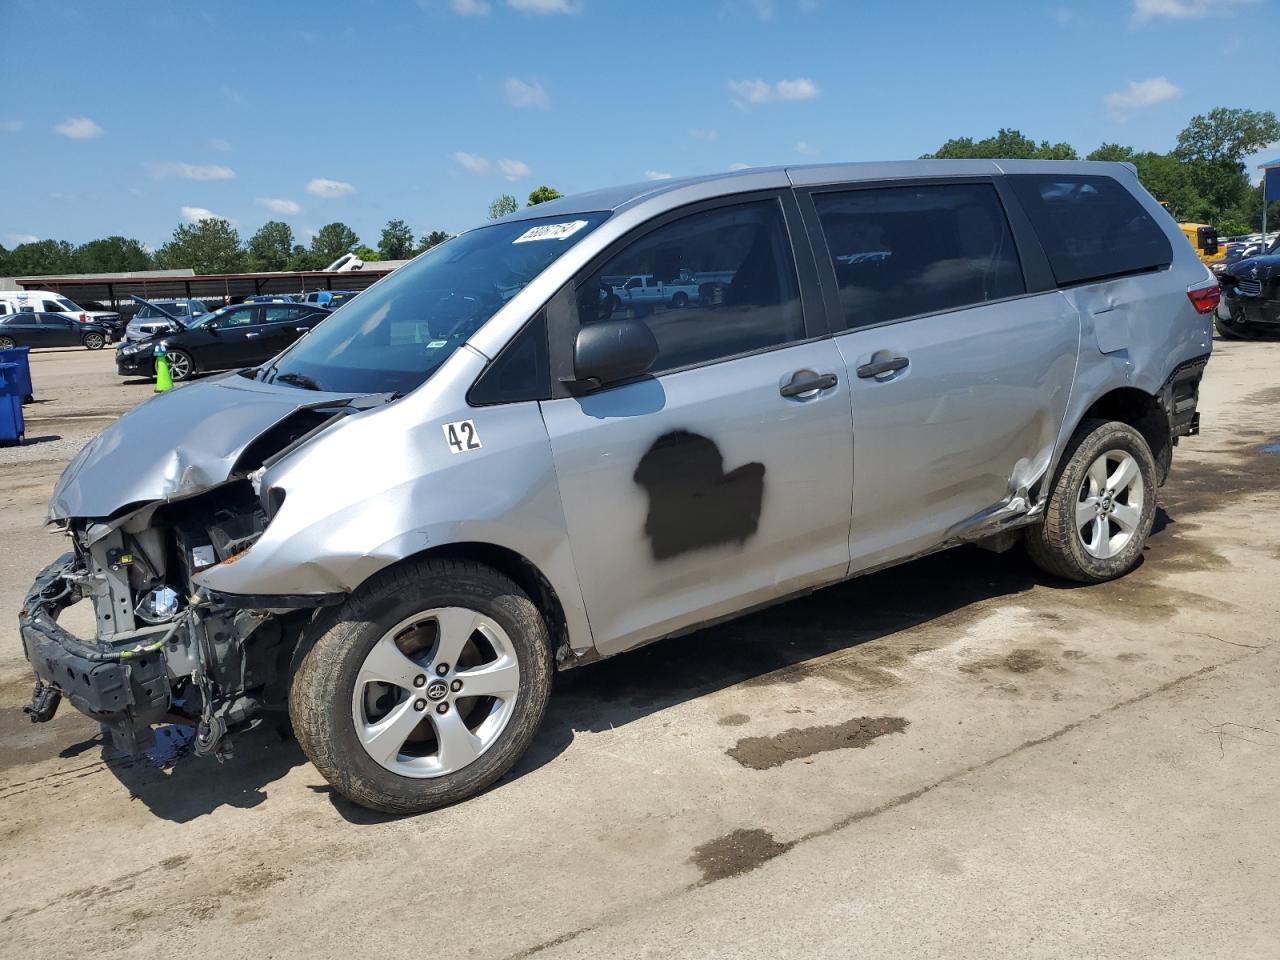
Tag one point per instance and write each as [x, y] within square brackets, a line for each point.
[437, 689]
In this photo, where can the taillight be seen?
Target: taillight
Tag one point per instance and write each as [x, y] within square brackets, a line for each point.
[84, 318]
[1205, 299]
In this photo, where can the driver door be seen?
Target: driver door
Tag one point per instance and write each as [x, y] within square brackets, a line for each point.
[234, 340]
[708, 486]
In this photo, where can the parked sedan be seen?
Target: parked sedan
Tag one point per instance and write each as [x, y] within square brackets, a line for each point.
[29, 329]
[238, 336]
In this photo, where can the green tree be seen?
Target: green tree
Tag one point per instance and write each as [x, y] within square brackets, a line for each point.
[504, 205]
[270, 247]
[429, 240]
[333, 240]
[543, 194]
[4, 261]
[1005, 145]
[396, 242]
[367, 254]
[1227, 133]
[303, 259]
[1112, 151]
[112, 255]
[42, 258]
[209, 246]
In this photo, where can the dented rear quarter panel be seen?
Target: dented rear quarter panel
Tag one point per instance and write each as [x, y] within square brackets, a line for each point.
[383, 486]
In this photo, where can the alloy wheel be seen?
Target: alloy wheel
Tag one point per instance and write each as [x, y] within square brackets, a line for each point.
[179, 366]
[435, 692]
[1109, 504]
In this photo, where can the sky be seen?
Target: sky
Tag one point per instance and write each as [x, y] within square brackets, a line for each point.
[143, 114]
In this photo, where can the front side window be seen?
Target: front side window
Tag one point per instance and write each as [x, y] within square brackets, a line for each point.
[228, 319]
[1091, 227]
[717, 284]
[397, 333]
[904, 251]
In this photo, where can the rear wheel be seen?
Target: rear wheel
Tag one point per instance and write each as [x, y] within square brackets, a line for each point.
[7, 343]
[1102, 506]
[94, 341]
[180, 365]
[424, 688]
[679, 300]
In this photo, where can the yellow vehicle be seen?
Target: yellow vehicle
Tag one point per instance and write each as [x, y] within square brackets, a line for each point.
[1204, 239]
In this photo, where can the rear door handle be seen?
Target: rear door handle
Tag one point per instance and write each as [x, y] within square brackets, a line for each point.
[301, 329]
[877, 367]
[806, 381]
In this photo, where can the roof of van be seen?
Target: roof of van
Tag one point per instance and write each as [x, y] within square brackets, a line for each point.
[626, 195]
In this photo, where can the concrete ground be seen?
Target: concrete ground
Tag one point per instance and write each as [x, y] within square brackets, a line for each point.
[956, 758]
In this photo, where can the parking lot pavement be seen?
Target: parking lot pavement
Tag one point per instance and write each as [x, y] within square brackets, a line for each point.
[957, 757]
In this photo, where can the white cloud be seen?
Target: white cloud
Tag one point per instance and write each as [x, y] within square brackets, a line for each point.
[656, 175]
[196, 214]
[747, 93]
[546, 6]
[470, 8]
[1140, 94]
[735, 167]
[15, 239]
[472, 163]
[191, 171]
[279, 205]
[1145, 10]
[806, 148]
[78, 128]
[329, 189]
[10, 126]
[521, 94]
[710, 136]
[514, 169]
[219, 144]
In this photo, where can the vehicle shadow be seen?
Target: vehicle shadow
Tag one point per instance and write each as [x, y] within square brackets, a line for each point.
[771, 645]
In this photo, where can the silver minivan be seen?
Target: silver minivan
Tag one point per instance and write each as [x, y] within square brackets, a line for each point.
[489, 466]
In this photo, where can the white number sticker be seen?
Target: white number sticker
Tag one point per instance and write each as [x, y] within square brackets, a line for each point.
[461, 436]
[551, 231]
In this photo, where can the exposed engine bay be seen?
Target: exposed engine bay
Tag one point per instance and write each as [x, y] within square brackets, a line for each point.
[165, 650]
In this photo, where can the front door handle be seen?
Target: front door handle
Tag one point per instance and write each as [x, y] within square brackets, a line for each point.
[806, 381]
[248, 335]
[877, 367]
[301, 329]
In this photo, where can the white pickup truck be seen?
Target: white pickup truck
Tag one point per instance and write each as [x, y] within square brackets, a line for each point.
[643, 288]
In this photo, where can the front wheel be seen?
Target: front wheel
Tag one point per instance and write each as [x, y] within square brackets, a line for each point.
[1101, 508]
[424, 688]
[1227, 330]
[680, 300]
[180, 365]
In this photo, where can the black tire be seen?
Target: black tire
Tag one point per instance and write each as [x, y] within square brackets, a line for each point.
[184, 368]
[1227, 330]
[94, 341]
[680, 300]
[7, 343]
[334, 648]
[1056, 545]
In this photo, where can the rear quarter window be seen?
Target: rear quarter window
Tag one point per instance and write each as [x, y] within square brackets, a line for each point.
[1091, 227]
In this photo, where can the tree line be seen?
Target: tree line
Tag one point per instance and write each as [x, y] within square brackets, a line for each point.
[1203, 179]
[214, 246]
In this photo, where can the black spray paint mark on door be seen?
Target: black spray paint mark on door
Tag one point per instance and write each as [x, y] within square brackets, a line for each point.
[693, 503]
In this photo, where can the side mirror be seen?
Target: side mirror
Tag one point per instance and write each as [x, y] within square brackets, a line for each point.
[612, 350]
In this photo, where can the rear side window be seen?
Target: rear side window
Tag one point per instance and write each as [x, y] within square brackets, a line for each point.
[904, 251]
[1091, 228]
[716, 284]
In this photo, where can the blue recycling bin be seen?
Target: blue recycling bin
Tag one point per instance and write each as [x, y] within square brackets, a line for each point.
[19, 355]
[11, 424]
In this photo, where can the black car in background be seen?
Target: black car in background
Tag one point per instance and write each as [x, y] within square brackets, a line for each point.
[34, 329]
[243, 335]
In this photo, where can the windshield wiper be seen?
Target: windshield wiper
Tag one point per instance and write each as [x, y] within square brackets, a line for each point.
[301, 379]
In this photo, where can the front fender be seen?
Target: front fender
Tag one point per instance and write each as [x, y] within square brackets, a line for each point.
[384, 486]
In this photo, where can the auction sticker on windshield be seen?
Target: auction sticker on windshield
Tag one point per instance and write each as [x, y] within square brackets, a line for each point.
[551, 231]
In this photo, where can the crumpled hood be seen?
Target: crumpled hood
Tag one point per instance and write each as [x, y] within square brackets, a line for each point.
[175, 444]
[1262, 268]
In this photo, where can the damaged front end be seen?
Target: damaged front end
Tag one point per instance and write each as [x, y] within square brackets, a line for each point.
[165, 651]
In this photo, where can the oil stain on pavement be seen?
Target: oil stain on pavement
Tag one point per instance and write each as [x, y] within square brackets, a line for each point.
[736, 853]
[764, 753]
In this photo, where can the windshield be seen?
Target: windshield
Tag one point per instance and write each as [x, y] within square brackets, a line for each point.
[392, 337]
